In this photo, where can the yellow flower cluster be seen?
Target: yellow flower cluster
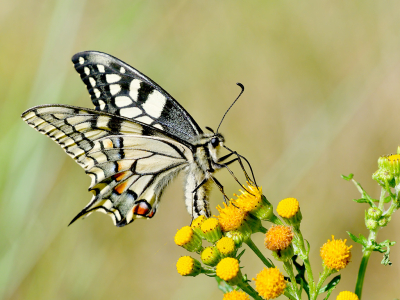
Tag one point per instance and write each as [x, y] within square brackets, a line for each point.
[185, 265]
[183, 236]
[236, 295]
[270, 283]
[230, 217]
[346, 295]
[335, 254]
[250, 199]
[278, 237]
[288, 207]
[228, 268]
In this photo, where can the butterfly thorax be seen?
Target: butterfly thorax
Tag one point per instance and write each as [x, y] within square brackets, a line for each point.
[207, 147]
[199, 172]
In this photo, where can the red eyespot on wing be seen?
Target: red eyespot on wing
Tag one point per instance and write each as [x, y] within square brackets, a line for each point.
[142, 208]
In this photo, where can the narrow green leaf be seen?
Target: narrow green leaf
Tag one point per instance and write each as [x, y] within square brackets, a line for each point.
[353, 237]
[331, 285]
[240, 255]
[348, 178]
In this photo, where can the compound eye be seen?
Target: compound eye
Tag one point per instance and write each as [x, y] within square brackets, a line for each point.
[214, 142]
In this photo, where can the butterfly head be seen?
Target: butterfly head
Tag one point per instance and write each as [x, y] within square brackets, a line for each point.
[214, 142]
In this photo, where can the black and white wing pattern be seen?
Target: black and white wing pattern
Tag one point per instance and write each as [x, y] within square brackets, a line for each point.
[130, 163]
[135, 141]
[117, 88]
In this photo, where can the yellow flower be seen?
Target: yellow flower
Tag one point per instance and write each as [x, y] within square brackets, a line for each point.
[254, 202]
[188, 239]
[236, 295]
[346, 295]
[270, 283]
[226, 246]
[188, 266]
[197, 223]
[288, 208]
[388, 167]
[228, 270]
[210, 256]
[278, 237]
[183, 236]
[250, 199]
[230, 217]
[335, 254]
[211, 230]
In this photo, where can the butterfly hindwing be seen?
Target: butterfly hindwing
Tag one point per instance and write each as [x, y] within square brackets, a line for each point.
[129, 163]
[117, 88]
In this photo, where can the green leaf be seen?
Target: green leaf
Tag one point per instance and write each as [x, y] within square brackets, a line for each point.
[330, 286]
[240, 255]
[364, 200]
[361, 200]
[387, 199]
[360, 239]
[223, 285]
[384, 248]
[300, 277]
[348, 178]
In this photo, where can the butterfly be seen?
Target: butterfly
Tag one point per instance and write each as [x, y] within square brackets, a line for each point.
[136, 140]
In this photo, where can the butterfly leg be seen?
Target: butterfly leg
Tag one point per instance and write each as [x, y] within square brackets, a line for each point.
[240, 157]
[221, 188]
[225, 165]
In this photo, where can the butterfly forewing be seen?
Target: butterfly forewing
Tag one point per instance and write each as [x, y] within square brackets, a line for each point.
[118, 88]
[129, 163]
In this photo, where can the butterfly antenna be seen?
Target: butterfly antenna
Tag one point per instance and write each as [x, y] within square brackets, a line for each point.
[242, 87]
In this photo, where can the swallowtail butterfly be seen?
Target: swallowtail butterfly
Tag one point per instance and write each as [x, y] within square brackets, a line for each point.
[135, 141]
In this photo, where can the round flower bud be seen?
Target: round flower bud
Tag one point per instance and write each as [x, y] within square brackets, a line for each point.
[196, 225]
[188, 266]
[228, 270]
[236, 236]
[236, 295]
[188, 239]
[346, 295]
[371, 224]
[384, 221]
[374, 213]
[226, 246]
[289, 210]
[210, 256]
[211, 230]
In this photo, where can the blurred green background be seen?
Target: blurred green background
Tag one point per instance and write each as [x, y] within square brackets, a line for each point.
[322, 83]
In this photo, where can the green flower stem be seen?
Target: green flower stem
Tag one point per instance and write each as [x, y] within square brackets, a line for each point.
[322, 277]
[299, 241]
[263, 229]
[274, 219]
[288, 294]
[382, 199]
[361, 273]
[253, 247]
[249, 290]
[364, 262]
[391, 209]
[287, 265]
[207, 270]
